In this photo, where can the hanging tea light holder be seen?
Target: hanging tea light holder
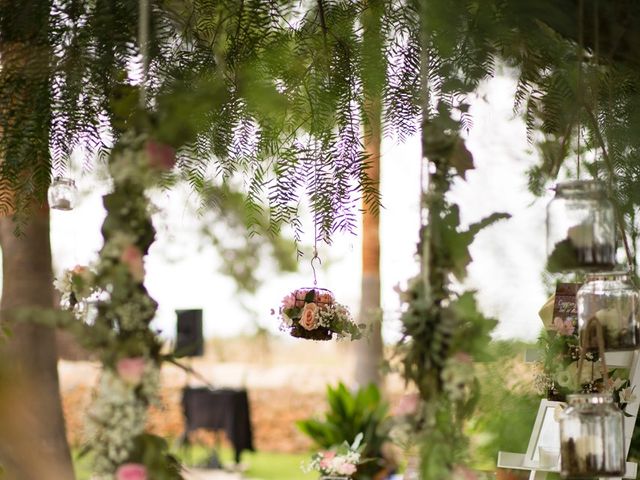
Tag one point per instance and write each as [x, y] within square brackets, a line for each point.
[592, 426]
[612, 299]
[581, 228]
[592, 438]
[62, 194]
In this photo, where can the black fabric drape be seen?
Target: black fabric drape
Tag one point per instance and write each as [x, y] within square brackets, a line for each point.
[220, 409]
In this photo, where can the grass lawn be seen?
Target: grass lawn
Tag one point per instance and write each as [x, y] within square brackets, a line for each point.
[260, 465]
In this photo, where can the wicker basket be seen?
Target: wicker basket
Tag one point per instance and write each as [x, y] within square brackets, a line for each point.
[320, 333]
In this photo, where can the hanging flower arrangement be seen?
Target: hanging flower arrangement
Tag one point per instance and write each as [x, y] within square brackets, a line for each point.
[313, 314]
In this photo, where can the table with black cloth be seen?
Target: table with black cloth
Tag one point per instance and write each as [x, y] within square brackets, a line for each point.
[219, 409]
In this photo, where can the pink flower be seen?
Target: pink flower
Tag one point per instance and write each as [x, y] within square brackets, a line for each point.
[161, 155]
[563, 327]
[289, 301]
[308, 319]
[79, 270]
[408, 404]
[300, 295]
[131, 369]
[325, 463]
[132, 257]
[324, 298]
[347, 469]
[131, 471]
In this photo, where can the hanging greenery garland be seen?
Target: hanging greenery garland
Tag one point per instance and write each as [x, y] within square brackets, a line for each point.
[121, 333]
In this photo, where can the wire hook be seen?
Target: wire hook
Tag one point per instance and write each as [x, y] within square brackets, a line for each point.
[315, 257]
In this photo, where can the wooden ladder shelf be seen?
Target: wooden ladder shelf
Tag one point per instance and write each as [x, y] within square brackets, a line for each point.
[525, 461]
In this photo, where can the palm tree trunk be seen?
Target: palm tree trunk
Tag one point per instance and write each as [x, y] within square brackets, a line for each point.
[369, 351]
[33, 443]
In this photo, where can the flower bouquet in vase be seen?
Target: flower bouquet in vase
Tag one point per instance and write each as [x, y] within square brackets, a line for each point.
[312, 313]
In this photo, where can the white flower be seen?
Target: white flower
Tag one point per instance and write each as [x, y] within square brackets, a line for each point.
[627, 396]
[286, 320]
[558, 411]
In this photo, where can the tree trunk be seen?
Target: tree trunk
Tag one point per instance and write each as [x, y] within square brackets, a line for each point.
[33, 443]
[369, 351]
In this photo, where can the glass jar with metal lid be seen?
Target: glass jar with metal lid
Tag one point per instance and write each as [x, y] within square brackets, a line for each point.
[592, 437]
[612, 299]
[581, 228]
[62, 194]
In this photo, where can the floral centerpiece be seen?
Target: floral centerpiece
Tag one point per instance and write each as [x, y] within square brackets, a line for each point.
[340, 463]
[313, 313]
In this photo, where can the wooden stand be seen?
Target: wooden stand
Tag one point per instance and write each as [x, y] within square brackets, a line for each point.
[521, 461]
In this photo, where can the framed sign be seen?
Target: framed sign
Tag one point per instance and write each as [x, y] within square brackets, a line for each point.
[545, 437]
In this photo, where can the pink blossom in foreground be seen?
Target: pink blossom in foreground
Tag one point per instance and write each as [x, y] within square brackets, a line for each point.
[131, 471]
[131, 370]
[161, 155]
[132, 257]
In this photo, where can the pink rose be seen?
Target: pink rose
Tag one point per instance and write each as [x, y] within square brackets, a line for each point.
[289, 301]
[308, 319]
[347, 469]
[131, 471]
[300, 295]
[161, 155]
[132, 257]
[325, 463]
[325, 298]
[131, 370]
[563, 327]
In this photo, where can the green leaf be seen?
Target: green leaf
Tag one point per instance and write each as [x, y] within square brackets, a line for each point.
[461, 159]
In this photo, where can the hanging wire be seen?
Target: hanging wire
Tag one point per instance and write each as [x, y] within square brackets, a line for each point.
[143, 39]
[315, 225]
[596, 62]
[579, 75]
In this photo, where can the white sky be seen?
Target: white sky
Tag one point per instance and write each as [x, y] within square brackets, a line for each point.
[508, 257]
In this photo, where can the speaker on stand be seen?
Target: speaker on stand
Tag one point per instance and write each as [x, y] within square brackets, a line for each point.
[189, 344]
[189, 338]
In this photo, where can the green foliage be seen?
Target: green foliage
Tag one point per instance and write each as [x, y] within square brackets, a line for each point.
[224, 219]
[153, 452]
[269, 91]
[348, 415]
[507, 407]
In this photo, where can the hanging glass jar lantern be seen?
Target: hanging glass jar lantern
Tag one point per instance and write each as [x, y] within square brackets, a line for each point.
[613, 300]
[592, 437]
[62, 194]
[581, 231]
